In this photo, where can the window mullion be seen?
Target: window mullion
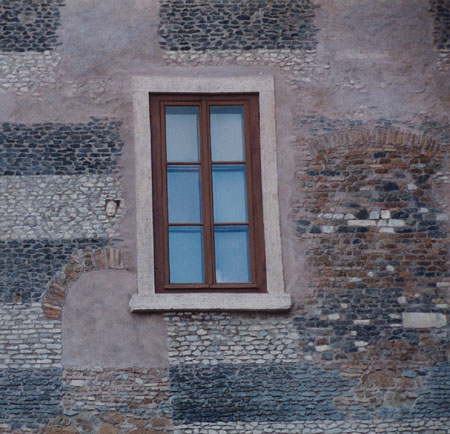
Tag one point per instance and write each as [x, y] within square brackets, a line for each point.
[207, 207]
[250, 196]
[163, 180]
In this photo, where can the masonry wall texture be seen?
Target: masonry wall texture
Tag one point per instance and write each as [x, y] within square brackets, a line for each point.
[29, 26]
[363, 137]
[441, 11]
[59, 149]
[250, 25]
[28, 265]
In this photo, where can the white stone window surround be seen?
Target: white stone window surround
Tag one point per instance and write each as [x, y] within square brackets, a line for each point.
[147, 299]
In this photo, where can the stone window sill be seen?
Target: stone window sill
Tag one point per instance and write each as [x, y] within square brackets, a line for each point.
[209, 302]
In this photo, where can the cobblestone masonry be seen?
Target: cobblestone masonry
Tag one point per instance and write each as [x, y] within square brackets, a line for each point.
[280, 34]
[441, 13]
[377, 241]
[57, 207]
[30, 366]
[231, 32]
[55, 179]
[29, 25]
[225, 338]
[249, 392]
[435, 426]
[318, 125]
[434, 401]
[129, 398]
[29, 396]
[220, 25]
[298, 65]
[25, 72]
[28, 339]
[28, 265]
[59, 149]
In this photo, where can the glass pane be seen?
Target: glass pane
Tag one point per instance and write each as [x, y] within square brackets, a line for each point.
[227, 133]
[182, 136]
[184, 194]
[232, 254]
[230, 193]
[186, 254]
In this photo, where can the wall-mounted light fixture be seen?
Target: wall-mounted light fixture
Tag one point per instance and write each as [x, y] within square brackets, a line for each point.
[111, 207]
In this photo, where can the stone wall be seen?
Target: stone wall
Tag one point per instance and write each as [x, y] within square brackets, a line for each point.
[28, 37]
[244, 33]
[129, 398]
[361, 94]
[230, 25]
[54, 181]
[441, 13]
[29, 265]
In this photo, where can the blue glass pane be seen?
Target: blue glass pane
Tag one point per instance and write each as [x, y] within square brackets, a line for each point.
[227, 133]
[182, 136]
[184, 194]
[186, 254]
[229, 193]
[232, 254]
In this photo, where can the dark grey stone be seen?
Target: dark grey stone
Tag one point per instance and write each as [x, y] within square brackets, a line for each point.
[29, 25]
[30, 396]
[246, 25]
[28, 265]
[59, 149]
[441, 14]
[249, 392]
[363, 303]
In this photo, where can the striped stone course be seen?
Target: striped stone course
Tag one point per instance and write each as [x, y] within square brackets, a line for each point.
[58, 207]
[219, 25]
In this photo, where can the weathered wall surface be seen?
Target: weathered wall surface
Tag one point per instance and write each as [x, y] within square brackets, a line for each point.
[362, 102]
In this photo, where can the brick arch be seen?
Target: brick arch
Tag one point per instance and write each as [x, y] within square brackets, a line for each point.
[384, 136]
[375, 236]
[81, 262]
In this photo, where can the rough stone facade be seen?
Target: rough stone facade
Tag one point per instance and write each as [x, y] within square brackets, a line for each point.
[216, 25]
[23, 72]
[29, 26]
[28, 35]
[29, 265]
[59, 149]
[363, 136]
[130, 398]
[441, 12]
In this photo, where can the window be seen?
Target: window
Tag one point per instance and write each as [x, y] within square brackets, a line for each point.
[208, 234]
[207, 199]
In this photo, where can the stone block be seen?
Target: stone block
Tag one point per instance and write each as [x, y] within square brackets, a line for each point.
[423, 320]
[361, 223]
[108, 429]
[396, 223]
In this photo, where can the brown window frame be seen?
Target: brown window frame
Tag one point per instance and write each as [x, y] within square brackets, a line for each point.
[250, 102]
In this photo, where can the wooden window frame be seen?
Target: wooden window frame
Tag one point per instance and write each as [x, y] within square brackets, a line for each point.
[250, 103]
